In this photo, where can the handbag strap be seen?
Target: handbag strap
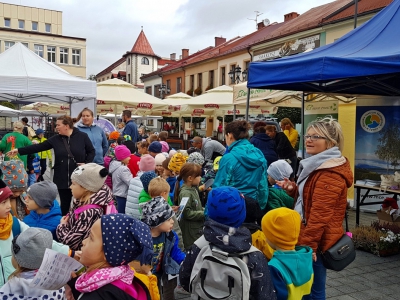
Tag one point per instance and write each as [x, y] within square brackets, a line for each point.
[68, 150]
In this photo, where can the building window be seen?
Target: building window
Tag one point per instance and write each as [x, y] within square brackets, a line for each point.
[129, 78]
[48, 27]
[211, 79]
[21, 24]
[246, 65]
[223, 75]
[76, 57]
[7, 23]
[168, 84]
[26, 45]
[39, 50]
[200, 80]
[179, 84]
[129, 61]
[64, 56]
[34, 26]
[157, 92]
[148, 90]
[145, 61]
[51, 54]
[192, 82]
[150, 122]
[8, 45]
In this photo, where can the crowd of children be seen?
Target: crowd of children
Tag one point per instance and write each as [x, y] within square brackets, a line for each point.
[161, 238]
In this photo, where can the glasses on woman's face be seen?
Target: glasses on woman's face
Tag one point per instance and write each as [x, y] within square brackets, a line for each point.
[314, 138]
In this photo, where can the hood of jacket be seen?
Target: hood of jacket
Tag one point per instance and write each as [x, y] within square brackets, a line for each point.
[228, 239]
[102, 197]
[80, 125]
[55, 211]
[295, 266]
[261, 137]
[114, 165]
[246, 154]
[340, 166]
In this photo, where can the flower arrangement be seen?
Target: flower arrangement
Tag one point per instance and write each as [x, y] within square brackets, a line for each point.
[190, 92]
[198, 91]
[379, 239]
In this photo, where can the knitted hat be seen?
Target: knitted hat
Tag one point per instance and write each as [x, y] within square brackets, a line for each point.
[146, 178]
[164, 146]
[155, 147]
[279, 170]
[90, 176]
[39, 131]
[14, 174]
[147, 163]
[122, 152]
[171, 153]
[196, 158]
[114, 135]
[43, 193]
[159, 159]
[127, 137]
[125, 239]
[28, 247]
[281, 227]
[156, 211]
[226, 205]
[130, 145]
[216, 163]
[176, 162]
[5, 191]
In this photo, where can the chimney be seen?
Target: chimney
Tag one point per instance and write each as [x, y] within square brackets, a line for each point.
[291, 16]
[219, 41]
[172, 56]
[260, 25]
[185, 53]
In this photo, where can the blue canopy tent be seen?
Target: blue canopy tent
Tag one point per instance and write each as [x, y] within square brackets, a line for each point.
[366, 61]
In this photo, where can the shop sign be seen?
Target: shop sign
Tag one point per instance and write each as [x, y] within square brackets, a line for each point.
[198, 111]
[232, 112]
[211, 106]
[101, 102]
[241, 93]
[174, 107]
[145, 105]
[166, 113]
[64, 107]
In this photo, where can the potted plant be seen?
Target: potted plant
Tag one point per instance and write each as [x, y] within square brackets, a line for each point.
[198, 91]
[190, 92]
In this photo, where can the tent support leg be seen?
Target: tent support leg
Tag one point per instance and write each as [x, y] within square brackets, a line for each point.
[115, 115]
[247, 104]
[234, 113]
[303, 125]
[179, 125]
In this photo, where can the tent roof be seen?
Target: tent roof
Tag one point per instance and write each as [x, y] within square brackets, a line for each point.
[25, 76]
[364, 61]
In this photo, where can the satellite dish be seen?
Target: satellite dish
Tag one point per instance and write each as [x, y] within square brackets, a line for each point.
[266, 22]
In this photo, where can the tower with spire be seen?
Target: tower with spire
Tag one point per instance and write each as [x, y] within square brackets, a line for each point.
[140, 60]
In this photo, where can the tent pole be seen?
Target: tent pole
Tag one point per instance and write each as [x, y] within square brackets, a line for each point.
[247, 104]
[179, 125]
[355, 13]
[302, 124]
[234, 112]
[223, 125]
[115, 115]
[191, 124]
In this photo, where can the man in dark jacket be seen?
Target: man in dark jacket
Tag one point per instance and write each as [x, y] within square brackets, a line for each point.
[263, 142]
[130, 126]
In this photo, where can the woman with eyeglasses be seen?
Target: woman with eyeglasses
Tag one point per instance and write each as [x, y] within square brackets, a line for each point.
[321, 193]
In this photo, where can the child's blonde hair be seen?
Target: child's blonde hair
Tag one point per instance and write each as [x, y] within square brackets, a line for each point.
[85, 198]
[157, 186]
[18, 271]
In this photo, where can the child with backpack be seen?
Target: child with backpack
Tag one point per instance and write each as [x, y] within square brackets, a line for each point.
[278, 197]
[222, 262]
[28, 250]
[91, 196]
[45, 212]
[147, 163]
[192, 218]
[113, 242]
[291, 267]
[10, 227]
[121, 176]
[167, 256]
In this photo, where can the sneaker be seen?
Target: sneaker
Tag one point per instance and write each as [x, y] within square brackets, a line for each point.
[180, 290]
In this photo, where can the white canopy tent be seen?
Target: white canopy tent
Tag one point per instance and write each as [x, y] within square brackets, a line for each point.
[8, 112]
[26, 77]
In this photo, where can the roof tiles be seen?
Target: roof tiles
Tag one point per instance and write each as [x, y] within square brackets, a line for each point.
[142, 45]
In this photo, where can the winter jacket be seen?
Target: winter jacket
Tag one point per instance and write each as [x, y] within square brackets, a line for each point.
[121, 176]
[78, 226]
[48, 221]
[145, 197]
[133, 165]
[131, 129]
[6, 267]
[283, 146]
[173, 255]
[107, 160]
[292, 273]
[211, 148]
[19, 288]
[292, 135]
[171, 181]
[244, 168]
[325, 202]
[240, 241]
[20, 141]
[132, 200]
[98, 139]
[81, 147]
[267, 146]
[43, 154]
[277, 197]
[192, 219]
[258, 239]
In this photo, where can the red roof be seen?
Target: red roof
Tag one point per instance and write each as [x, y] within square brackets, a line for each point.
[111, 67]
[142, 45]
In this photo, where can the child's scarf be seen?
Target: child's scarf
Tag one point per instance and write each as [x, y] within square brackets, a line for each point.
[5, 227]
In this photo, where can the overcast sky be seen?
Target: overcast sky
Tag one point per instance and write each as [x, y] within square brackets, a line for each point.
[111, 29]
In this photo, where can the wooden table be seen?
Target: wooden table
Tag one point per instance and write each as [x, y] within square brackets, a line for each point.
[360, 200]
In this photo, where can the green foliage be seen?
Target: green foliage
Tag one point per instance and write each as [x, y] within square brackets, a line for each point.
[389, 145]
[7, 104]
[293, 113]
[92, 77]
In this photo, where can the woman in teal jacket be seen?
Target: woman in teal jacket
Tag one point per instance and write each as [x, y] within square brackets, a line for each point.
[243, 166]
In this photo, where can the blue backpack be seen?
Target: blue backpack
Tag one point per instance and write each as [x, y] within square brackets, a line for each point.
[16, 227]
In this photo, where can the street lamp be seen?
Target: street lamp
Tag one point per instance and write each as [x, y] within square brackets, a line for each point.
[164, 89]
[234, 75]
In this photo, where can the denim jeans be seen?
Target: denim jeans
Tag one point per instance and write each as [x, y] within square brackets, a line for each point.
[121, 203]
[318, 287]
[31, 179]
